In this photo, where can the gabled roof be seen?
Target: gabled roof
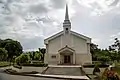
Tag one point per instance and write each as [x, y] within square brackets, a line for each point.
[53, 36]
[66, 48]
[72, 32]
[82, 36]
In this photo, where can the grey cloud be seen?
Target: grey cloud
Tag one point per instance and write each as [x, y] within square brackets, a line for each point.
[115, 2]
[58, 3]
[30, 34]
[39, 8]
[96, 27]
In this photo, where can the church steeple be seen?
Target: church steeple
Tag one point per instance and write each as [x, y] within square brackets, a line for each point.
[66, 14]
[66, 23]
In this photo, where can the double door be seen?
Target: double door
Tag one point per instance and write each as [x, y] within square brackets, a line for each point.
[67, 59]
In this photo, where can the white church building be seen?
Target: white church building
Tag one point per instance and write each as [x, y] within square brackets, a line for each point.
[67, 46]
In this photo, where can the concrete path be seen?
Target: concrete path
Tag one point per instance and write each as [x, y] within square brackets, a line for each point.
[4, 76]
[61, 76]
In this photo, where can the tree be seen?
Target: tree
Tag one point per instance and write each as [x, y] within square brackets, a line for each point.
[115, 46]
[14, 48]
[43, 51]
[115, 50]
[3, 54]
[23, 58]
[104, 59]
[37, 56]
[93, 50]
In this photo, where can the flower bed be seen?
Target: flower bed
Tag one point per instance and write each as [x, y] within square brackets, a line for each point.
[110, 74]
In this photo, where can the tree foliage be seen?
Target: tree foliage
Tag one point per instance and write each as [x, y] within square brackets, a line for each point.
[23, 58]
[96, 70]
[43, 51]
[13, 47]
[37, 56]
[106, 55]
[3, 54]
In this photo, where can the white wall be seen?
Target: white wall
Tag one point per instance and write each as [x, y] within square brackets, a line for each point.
[54, 45]
[83, 58]
[78, 44]
[50, 60]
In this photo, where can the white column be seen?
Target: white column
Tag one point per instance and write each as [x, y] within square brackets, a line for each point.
[74, 61]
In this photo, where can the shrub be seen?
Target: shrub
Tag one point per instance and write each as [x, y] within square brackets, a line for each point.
[36, 64]
[96, 70]
[104, 74]
[93, 65]
[23, 58]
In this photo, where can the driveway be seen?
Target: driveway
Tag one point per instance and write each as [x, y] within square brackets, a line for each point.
[4, 76]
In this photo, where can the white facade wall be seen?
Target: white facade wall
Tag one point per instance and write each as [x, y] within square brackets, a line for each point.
[82, 49]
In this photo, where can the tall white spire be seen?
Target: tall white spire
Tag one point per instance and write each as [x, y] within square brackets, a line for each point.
[67, 23]
[66, 14]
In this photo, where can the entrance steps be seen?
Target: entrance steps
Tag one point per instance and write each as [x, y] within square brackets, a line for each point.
[71, 70]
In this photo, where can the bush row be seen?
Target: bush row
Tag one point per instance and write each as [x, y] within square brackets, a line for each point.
[93, 65]
[36, 64]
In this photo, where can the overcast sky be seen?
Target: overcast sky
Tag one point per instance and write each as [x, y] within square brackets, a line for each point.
[30, 21]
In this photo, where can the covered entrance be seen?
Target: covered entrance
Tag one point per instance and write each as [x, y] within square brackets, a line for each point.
[67, 55]
[67, 59]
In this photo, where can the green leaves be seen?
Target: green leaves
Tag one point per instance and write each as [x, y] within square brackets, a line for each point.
[3, 54]
[23, 58]
[13, 47]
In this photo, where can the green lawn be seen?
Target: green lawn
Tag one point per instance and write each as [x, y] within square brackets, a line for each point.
[117, 67]
[4, 63]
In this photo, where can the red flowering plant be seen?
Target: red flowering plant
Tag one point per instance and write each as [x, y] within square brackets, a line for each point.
[111, 75]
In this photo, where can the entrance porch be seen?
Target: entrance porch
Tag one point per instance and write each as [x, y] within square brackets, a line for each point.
[67, 56]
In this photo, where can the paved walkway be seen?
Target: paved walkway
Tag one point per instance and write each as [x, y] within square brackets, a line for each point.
[4, 76]
[62, 76]
[71, 71]
[64, 65]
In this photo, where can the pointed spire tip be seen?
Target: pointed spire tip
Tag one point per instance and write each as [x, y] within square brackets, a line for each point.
[66, 14]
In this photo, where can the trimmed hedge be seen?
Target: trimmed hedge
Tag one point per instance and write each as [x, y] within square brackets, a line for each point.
[14, 72]
[36, 64]
[93, 65]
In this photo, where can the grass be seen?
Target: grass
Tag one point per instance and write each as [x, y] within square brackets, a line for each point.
[117, 69]
[4, 64]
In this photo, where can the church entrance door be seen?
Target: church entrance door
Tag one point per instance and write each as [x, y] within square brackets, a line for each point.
[67, 59]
